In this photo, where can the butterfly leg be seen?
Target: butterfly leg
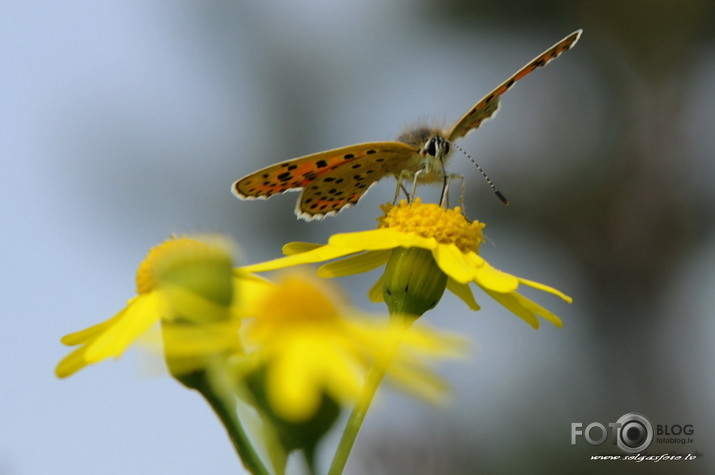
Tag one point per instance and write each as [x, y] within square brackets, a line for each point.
[401, 187]
[415, 177]
[444, 200]
[461, 190]
[397, 188]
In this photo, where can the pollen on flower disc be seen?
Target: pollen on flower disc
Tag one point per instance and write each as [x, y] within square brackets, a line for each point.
[447, 226]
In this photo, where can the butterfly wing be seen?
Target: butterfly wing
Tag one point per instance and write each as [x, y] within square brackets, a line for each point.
[490, 103]
[344, 185]
[331, 180]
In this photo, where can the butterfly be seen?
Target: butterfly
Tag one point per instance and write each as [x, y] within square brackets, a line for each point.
[336, 179]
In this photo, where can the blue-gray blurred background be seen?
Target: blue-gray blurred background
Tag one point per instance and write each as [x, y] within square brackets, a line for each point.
[122, 122]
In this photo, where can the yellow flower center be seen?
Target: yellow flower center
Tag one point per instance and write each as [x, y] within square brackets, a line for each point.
[447, 226]
[297, 299]
[176, 253]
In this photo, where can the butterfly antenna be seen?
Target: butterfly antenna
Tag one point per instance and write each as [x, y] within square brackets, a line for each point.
[501, 197]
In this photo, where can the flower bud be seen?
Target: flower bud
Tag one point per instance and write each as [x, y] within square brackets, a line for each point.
[412, 282]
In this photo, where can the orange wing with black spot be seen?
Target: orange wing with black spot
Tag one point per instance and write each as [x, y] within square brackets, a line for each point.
[485, 108]
[331, 180]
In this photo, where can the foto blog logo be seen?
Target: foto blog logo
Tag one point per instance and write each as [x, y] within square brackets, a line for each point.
[632, 432]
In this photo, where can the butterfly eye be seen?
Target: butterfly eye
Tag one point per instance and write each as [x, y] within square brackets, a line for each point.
[430, 147]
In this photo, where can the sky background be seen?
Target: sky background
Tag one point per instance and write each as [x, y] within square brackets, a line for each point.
[124, 122]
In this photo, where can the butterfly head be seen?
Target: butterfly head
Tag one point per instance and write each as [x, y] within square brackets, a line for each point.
[436, 147]
[434, 153]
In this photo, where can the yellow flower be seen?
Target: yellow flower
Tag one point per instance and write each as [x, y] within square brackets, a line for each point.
[444, 235]
[187, 283]
[310, 344]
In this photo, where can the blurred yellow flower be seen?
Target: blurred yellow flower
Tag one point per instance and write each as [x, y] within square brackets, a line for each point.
[451, 244]
[187, 283]
[309, 343]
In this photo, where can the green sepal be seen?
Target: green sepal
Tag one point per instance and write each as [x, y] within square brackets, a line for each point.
[413, 282]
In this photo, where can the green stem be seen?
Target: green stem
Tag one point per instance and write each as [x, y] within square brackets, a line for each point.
[225, 409]
[372, 382]
[352, 427]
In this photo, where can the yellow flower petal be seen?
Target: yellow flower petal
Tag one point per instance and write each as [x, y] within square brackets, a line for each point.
[490, 278]
[546, 288]
[525, 308]
[145, 311]
[343, 380]
[417, 380]
[298, 375]
[299, 247]
[537, 309]
[379, 239]
[354, 264]
[71, 363]
[453, 262]
[463, 292]
[322, 253]
[83, 336]
[420, 340]
[375, 292]
[514, 306]
[180, 340]
[405, 346]
[249, 289]
[190, 305]
[293, 396]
